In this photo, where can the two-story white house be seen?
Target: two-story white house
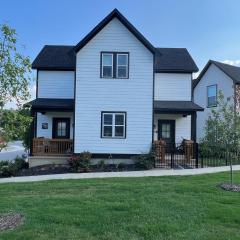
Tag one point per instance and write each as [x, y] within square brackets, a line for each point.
[215, 77]
[112, 93]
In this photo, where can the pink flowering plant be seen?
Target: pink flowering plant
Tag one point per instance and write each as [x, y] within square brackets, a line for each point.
[80, 162]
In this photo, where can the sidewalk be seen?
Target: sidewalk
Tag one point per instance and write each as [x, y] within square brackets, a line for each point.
[149, 173]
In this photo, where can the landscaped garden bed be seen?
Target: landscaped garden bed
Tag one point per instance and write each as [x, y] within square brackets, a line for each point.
[78, 163]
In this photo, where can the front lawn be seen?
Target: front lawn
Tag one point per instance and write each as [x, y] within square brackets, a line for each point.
[175, 208]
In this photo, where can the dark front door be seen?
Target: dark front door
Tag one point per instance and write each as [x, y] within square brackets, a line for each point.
[61, 128]
[166, 131]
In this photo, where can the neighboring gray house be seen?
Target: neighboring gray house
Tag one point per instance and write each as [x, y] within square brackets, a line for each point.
[215, 77]
[112, 93]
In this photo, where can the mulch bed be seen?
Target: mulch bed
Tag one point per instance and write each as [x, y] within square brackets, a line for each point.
[229, 187]
[10, 221]
[60, 169]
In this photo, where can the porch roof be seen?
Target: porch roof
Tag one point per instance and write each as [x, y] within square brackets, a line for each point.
[52, 104]
[176, 107]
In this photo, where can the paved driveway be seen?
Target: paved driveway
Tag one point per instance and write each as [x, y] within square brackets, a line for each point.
[13, 150]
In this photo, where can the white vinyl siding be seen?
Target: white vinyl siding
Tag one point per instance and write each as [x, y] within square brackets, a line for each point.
[95, 95]
[48, 118]
[55, 84]
[182, 127]
[212, 76]
[173, 86]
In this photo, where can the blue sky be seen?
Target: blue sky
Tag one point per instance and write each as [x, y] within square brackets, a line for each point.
[209, 29]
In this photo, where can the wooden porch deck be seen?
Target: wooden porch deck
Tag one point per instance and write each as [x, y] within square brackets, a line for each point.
[52, 147]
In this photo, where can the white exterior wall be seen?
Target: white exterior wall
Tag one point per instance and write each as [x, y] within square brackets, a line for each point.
[95, 94]
[55, 84]
[48, 118]
[212, 76]
[173, 86]
[182, 126]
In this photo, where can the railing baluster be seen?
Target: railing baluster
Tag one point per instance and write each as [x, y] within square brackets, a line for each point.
[43, 146]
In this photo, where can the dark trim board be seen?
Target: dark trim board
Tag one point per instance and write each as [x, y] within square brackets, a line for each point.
[194, 126]
[52, 110]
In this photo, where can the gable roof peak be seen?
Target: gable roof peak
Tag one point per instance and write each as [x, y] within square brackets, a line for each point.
[231, 71]
[114, 14]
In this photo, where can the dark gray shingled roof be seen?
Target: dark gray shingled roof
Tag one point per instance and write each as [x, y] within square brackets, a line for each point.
[174, 60]
[63, 58]
[176, 106]
[50, 103]
[232, 71]
[55, 57]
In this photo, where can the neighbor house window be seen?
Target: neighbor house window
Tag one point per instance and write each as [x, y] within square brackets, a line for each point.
[113, 125]
[114, 65]
[212, 96]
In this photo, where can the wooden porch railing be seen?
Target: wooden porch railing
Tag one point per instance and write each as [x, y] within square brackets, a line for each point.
[46, 146]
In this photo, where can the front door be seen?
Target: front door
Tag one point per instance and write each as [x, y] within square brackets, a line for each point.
[166, 131]
[61, 128]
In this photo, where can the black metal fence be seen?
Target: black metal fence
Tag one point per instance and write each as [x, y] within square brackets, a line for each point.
[176, 155]
[216, 155]
[188, 155]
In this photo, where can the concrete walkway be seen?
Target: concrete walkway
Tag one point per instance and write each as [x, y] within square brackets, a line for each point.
[149, 173]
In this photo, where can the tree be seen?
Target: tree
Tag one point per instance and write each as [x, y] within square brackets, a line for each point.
[15, 125]
[14, 69]
[222, 130]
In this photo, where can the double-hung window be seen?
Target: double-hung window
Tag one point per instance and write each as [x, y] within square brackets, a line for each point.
[107, 65]
[114, 65]
[212, 96]
[113, 125]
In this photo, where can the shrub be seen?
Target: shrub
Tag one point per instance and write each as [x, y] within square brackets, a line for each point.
[145, 161]
[101, 164]
[80, 161]
[11, 168]
[4, 169]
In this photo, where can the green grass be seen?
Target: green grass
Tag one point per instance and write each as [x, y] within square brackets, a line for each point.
[176, 208]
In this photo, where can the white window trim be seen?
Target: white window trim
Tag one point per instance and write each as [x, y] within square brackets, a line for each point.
[126, 65]
[107, 65]
[113, 125]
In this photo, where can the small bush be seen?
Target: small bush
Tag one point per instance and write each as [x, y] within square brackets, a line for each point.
[80, 161]
[145, 161]
[4, 169]
[101, 165]
[12, 168]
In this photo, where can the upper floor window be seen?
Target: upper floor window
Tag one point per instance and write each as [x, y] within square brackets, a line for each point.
[107, 65]
[114, 65]
[212, 96]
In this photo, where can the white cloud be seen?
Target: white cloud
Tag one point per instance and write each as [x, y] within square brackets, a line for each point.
[232, 62]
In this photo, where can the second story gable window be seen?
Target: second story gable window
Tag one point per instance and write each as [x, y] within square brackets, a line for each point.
[107, 65]
[114, 65]
[212, 96]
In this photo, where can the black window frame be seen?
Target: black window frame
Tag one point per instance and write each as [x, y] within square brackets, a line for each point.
[215, 104]
[113, 125]
[114, 54]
